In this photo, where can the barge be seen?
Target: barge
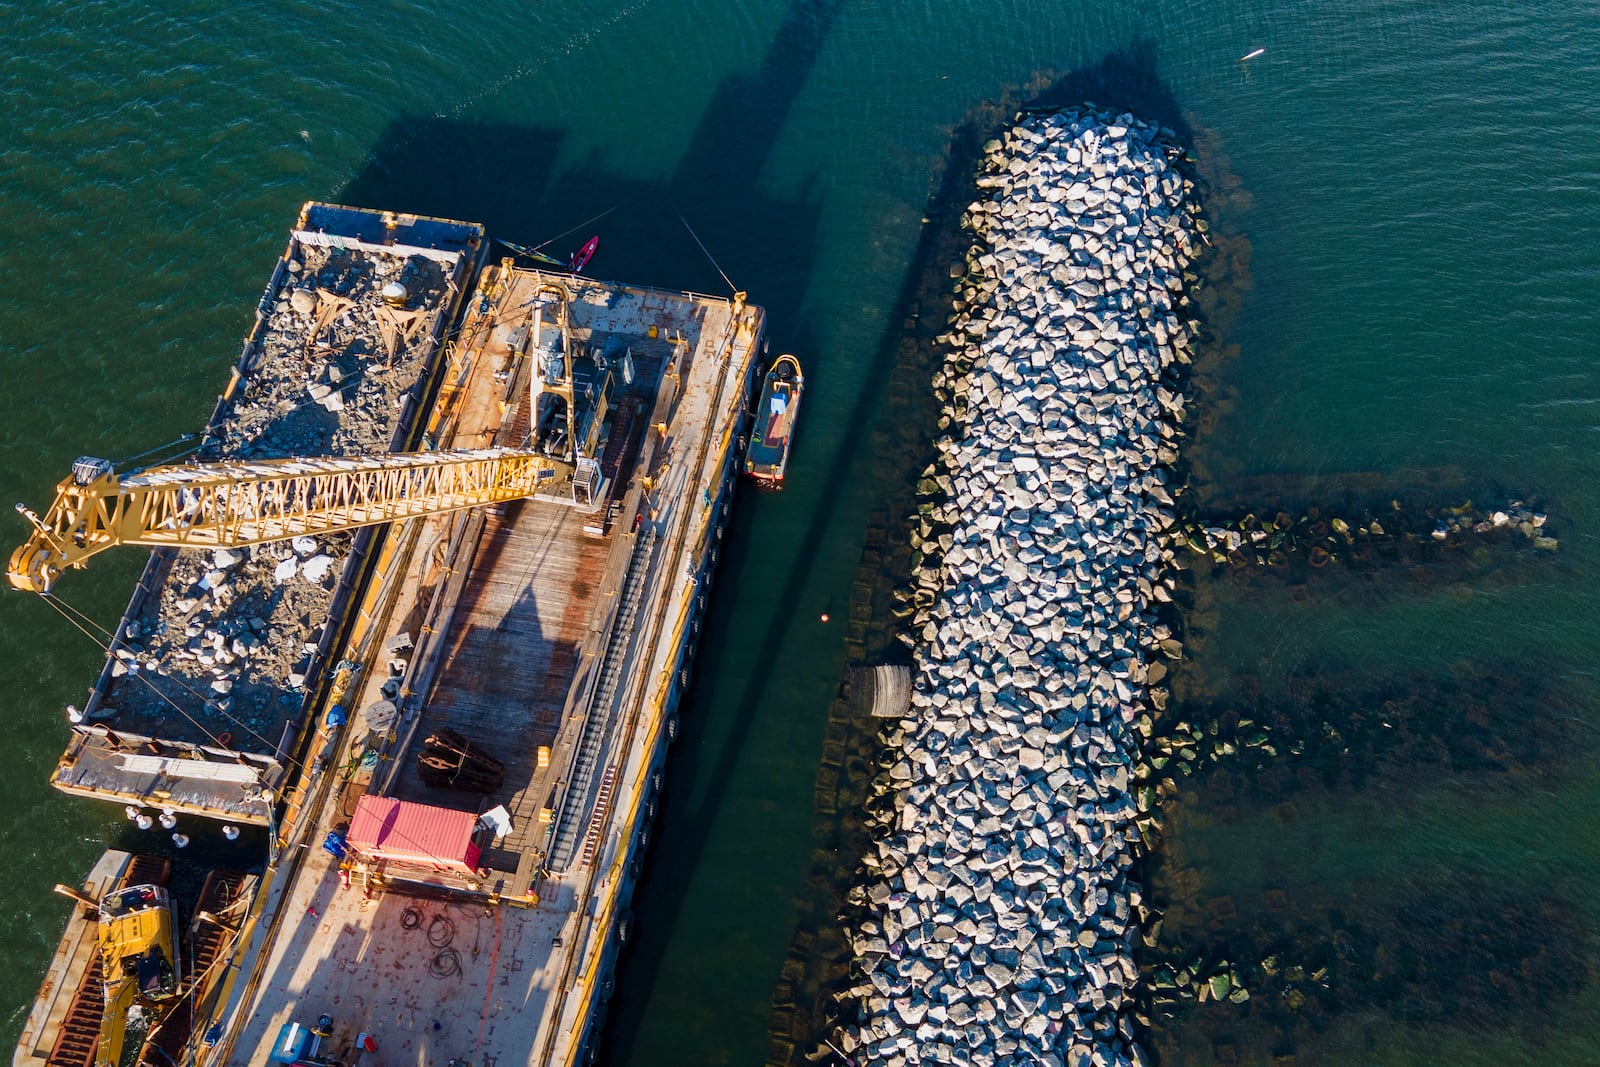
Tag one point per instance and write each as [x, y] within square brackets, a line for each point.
[199, 706]
[456, 734]
[65, 1025]
[80, 1016]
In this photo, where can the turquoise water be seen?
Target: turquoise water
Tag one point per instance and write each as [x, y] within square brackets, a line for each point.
[1418, 187]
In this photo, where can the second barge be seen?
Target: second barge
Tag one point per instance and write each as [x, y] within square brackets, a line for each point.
[214, 668]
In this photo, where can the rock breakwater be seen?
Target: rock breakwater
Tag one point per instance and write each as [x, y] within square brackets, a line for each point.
[1001, 908]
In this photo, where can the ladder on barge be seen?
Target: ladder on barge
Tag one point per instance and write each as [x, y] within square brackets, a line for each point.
[598, 719]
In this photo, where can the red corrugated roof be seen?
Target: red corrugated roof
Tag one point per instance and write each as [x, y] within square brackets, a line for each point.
[389, 829]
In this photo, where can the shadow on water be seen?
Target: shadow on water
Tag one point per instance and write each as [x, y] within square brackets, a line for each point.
[1341, 731]
[507, 177]
[1367, 534]
[1292, 968]
[1128, 79]
[1442, 948]
[1417, 960]
[902, 445]
[205, 850]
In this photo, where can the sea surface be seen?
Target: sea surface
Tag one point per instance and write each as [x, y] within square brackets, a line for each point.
[1409, 193]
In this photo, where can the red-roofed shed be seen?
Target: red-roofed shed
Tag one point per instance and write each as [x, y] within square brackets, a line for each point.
[419, 835]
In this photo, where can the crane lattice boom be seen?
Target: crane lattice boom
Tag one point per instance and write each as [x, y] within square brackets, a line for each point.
[231, 504]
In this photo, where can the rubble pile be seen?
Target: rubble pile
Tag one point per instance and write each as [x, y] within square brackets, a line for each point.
[230, 637]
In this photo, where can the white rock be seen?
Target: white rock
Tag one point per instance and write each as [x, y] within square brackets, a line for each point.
[316, 568]
[1013, 816]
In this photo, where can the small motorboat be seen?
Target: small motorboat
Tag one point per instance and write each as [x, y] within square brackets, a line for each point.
[768, 454]
[581, 257]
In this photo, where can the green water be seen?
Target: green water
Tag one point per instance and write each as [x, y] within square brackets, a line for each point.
[1417, 184]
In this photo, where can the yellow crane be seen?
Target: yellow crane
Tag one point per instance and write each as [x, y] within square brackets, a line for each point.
[245, 502]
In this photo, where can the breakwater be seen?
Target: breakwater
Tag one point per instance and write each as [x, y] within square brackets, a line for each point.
[1002, 912]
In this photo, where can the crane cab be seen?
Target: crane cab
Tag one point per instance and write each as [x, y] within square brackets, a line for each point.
[570, 395]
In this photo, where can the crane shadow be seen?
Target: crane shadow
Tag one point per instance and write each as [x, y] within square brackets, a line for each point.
[507, 177]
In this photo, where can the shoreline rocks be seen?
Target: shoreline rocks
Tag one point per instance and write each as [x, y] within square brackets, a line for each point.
[1001, 910]
[1268, 540]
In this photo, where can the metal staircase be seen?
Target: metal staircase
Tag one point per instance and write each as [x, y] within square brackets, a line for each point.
[598, 717]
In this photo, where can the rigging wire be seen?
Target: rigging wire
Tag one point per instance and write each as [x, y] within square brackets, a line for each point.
[563, 233]
[441, 931]
[445, 964]
[222, 961]
[703, 248]
[182, 440]
[59, 604]
[207, 702]
[445, 336]
[85, 623]
[153, 687]
[88, 620]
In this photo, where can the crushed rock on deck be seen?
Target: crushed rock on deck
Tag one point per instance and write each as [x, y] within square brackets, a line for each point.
[244, 618]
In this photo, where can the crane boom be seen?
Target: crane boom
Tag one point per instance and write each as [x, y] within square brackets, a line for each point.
[236, 503]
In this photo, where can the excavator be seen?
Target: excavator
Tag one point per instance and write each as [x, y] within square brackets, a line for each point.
[233, 504]
[237, 503]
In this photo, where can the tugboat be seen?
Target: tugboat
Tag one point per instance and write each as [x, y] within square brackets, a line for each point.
[768, 454]
[138, 962]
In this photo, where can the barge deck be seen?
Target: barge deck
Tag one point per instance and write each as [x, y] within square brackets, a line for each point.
[552, 635]
[454, 728]
[198, 707]
[63, 1029]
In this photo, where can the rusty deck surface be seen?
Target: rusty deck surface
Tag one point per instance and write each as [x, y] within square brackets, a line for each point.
[512, 656]
[64, 1028]
[400, 965]
[76, 966]
[212, 928]
[515, 615]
